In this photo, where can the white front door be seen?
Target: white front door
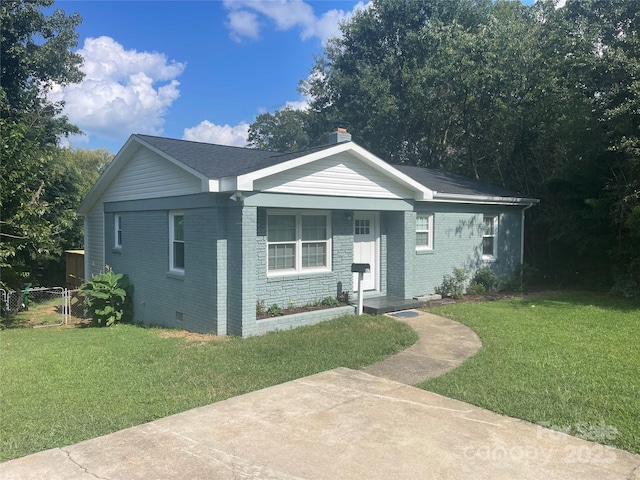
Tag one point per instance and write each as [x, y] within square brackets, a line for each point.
[365, 247]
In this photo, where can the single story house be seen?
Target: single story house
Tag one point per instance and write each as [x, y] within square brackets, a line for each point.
[206, 232]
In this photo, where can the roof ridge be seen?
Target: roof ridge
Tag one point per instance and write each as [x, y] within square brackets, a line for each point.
[200, 142]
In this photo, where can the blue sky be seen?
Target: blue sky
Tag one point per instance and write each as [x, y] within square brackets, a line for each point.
[198, 70]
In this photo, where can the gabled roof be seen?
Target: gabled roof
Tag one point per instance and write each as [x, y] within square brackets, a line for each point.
[228, 169]
[219, 161]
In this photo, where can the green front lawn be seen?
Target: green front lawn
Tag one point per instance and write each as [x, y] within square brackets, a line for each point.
[570, 361]
[59, 385]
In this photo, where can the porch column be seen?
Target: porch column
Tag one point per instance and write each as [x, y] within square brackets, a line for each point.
[241, 271]
[401, 232]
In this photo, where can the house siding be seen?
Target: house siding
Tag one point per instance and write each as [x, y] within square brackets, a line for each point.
[148, 175]
[339, 175]
[94, 238]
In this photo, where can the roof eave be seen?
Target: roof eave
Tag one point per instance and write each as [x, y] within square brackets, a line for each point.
[246, 181]
[483, 199]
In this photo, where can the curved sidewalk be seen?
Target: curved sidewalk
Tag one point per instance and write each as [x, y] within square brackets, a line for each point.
[442, 346]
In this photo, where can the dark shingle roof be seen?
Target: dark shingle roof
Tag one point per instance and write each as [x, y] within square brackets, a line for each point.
[451, 183]
[218, 161]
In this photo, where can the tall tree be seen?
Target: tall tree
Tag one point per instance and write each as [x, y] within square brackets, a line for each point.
[35, 54]
[539, 99]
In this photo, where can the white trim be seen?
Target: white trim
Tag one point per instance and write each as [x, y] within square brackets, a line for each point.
[482, 199]
[429, 246]
[172, 216]
[117, 228]
[377, 266]
[246, 182]
[496, 225]
[299, 269]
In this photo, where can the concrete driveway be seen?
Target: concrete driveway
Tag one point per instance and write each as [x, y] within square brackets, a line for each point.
[340, 424]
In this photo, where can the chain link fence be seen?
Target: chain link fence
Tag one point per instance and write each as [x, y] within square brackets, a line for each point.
[42, 307]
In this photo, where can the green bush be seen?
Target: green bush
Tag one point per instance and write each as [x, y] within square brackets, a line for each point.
[109, 298]
[453, 285]
[487, 278]
[330, 302]
[275, 310]
[477, 288]
[261, 309]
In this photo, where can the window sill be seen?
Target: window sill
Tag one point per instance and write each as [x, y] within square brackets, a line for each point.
[424, 251]
[297, 274]
[489, 259]
[116, 250]
[176, 275]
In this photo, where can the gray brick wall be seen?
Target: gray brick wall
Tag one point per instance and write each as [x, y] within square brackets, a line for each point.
[305, 288]
[161, 298]
[458, 243]
[226, 262]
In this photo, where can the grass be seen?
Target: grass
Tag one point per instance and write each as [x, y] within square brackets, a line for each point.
[63, 385]
[569, 361]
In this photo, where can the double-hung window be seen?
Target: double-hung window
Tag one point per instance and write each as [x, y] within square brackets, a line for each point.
[424, 231]
[117, 234]
[176, 241]
[298, 241]
[489, 237]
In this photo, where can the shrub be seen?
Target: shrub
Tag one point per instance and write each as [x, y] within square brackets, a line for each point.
[109, 298]
[487, 278]
[330, 302]
[275, 310]
[453, 285]
[343, 297]
[523, 276]
[261, 309]
[477, 288]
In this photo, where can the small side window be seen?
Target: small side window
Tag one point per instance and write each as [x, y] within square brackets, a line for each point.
[424, 231]
[489, 243]
[176, 242]
[117, 234]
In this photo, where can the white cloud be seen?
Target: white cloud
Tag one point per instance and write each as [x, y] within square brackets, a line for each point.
[123, 92]
[286, 14]
[208, 132]
[243, 24]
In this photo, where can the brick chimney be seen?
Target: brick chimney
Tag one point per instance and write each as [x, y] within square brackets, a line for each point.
[339, 135]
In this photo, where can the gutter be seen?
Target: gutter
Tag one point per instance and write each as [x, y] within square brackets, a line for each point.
[482, 199]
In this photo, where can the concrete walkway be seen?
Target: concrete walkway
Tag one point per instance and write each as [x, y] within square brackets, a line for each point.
[442, 346]
[340, 424]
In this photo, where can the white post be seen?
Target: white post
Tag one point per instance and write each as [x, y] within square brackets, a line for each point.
[360, 293]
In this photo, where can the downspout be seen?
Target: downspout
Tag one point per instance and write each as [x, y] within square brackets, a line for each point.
[522, 234]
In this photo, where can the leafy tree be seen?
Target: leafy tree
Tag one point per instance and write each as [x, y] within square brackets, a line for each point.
[288, 130]
[35, 54]
[539, 99]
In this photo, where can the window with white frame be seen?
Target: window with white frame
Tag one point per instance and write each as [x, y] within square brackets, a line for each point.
[176, 241]
[489, 237]
[424, 231]
[298, 241]
[117, 234]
